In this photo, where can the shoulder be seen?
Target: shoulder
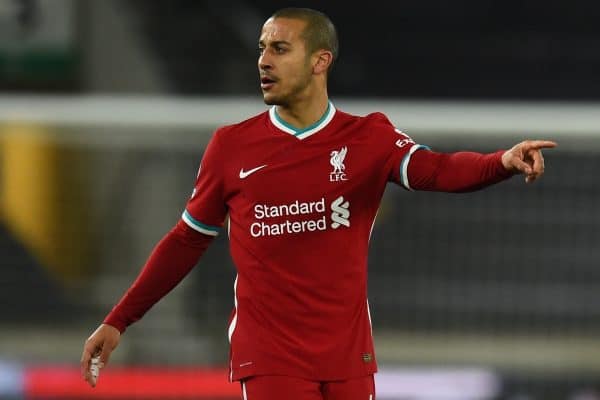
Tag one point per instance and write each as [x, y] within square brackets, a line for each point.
[378, 119]
[381, 124]
[234, 131]
[372, 119]
[374, 123]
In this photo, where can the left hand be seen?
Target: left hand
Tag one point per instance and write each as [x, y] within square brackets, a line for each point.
[526, 158]
[100, 344]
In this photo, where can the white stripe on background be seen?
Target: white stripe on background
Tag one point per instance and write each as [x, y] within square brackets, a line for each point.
[437, 383]
[12, 380]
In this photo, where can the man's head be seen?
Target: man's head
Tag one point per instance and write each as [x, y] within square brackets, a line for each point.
[297, 48]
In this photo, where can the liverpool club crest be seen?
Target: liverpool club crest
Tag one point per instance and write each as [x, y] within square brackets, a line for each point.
[337, 162]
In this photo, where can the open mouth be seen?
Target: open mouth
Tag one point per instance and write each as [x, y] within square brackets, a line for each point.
[266, 82]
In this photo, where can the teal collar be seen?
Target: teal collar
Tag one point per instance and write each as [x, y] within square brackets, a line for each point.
[304, 132]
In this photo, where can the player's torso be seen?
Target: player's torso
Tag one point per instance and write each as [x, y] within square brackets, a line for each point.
[300, 215]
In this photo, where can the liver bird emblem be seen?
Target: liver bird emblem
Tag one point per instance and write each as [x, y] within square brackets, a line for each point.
[337, 160]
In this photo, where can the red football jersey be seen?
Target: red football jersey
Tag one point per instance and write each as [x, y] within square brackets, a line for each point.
[301, 207]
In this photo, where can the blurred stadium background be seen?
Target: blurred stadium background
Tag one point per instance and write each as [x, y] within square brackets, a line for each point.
[104, 113]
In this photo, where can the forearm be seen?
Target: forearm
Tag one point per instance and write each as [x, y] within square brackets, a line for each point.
[455, 172]
[170, 261]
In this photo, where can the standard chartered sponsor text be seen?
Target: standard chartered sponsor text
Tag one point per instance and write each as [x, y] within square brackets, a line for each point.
[262, 229]
[265, 211]
[297, 207]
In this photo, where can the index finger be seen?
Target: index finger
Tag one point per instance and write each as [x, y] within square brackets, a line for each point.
[539, 144]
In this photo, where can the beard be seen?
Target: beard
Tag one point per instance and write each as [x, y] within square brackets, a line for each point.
[293, 93]
[272, 101]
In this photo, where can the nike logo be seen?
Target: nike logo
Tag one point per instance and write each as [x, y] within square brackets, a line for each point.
[244, 174]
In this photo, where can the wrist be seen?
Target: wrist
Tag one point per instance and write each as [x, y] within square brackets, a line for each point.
[504, 160]
[114, 323]
[505, 167]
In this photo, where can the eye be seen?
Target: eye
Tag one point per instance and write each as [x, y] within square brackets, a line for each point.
[261, 50]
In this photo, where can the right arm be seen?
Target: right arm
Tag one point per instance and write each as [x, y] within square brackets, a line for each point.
[170, 261]
[466, 171]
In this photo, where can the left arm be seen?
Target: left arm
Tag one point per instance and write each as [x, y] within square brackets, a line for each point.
[469, 171]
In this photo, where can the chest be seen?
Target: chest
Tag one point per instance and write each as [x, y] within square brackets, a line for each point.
[306, 172]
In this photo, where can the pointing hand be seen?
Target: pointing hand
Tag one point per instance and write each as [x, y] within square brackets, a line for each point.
[526, 158]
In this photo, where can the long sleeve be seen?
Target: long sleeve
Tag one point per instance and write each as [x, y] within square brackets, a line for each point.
[170, 261]
[455, 172]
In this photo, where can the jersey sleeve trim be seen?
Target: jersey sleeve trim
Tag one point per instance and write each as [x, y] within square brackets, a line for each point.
[199, 226]
[404, 165]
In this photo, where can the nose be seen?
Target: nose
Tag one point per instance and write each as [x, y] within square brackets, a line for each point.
[264, 62]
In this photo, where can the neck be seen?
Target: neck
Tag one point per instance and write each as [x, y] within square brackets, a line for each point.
[304, 113]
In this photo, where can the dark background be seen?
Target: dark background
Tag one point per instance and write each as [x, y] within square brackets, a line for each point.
[463, 49]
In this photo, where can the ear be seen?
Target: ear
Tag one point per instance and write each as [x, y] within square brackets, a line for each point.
[322, 61]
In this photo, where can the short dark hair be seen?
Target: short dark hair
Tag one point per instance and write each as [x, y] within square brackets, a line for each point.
[319, 33]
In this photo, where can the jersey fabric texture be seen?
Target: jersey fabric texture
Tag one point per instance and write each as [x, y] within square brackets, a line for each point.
[301, 207]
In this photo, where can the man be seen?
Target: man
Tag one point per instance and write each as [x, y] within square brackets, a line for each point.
[302, 191]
